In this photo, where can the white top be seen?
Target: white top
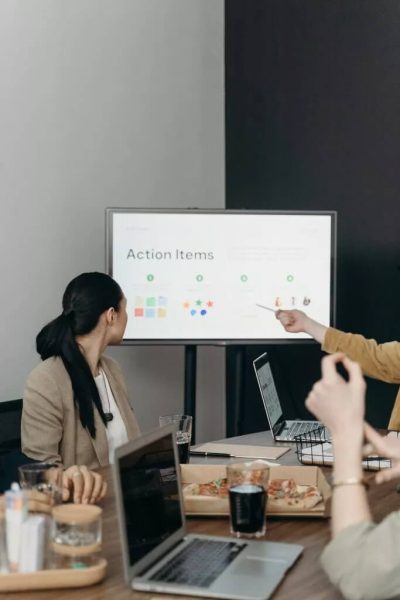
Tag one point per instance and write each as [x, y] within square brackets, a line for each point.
[116, 430]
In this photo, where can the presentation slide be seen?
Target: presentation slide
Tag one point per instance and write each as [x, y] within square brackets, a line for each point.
[219, 276]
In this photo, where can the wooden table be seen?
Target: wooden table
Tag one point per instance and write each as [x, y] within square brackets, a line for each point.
[305, 581]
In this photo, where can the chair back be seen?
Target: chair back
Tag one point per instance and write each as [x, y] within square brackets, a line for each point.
[10, 425]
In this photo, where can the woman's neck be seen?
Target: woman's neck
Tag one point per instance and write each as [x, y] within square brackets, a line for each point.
[92, 347]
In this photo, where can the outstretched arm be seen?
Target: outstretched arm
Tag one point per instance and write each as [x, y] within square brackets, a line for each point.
[381, 361]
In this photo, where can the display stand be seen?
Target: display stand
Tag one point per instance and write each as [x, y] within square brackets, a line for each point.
[235, 390]
[190, 386]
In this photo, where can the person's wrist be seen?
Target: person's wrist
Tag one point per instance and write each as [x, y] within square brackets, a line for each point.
[347, 451]
[347, 461]
[348, 470]
[308, 325]
[348, 437]
[315, 329]
[358, 481]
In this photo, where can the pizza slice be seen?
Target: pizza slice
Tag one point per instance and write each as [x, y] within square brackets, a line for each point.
[287, 493]
[215, 488]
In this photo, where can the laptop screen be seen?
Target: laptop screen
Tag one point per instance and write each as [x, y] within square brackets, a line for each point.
[150, 496]
[268, 391]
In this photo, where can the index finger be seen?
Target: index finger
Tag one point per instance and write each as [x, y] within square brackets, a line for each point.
[73, 478]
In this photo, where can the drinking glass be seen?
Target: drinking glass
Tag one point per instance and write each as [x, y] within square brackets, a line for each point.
[43, 477]
[183, 424]
[247, 485]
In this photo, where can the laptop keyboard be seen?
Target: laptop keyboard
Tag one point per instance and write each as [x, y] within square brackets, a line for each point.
[300, 428]
[199, 563]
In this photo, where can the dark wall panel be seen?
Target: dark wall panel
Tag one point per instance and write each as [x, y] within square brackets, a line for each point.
[313, 122]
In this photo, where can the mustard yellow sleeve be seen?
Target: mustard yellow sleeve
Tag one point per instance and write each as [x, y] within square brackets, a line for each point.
[363, 560]
[380, 361]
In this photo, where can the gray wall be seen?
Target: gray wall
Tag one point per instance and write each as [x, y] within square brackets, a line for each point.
[104, 103]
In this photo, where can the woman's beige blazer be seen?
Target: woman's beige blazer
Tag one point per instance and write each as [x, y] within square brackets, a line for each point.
[51, 429]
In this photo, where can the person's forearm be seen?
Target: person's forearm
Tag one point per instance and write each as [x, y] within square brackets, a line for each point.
[315, 329]
[349, 502]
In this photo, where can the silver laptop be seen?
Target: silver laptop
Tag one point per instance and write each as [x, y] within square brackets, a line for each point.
[282, 430]
[159, 556]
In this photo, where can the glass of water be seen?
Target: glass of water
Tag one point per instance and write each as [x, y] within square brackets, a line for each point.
[183, 425]
[43, 477]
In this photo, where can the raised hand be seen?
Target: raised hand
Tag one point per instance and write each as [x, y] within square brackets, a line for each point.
[338, 403]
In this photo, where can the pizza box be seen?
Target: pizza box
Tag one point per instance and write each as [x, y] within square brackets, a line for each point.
[211, 506]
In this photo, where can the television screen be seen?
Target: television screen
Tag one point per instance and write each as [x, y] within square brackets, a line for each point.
[216, 277]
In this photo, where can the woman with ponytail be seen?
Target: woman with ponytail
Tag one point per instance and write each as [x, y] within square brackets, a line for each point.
[76, 408]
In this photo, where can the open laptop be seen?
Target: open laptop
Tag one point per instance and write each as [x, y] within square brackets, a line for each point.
[159, 556]
[282, 430]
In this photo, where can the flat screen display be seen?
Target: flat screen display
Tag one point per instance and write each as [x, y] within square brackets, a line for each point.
[216, 277]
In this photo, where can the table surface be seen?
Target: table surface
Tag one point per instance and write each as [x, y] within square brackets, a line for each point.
[305, 581]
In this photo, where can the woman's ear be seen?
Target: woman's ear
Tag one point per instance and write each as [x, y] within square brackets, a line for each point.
[110, 316]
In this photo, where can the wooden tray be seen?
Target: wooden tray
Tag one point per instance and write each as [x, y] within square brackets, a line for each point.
[53, 578]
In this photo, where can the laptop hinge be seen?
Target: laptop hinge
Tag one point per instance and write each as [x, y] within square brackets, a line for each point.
[281, 427]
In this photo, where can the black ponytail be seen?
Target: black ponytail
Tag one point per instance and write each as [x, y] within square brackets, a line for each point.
[85, 299]
[50, 339]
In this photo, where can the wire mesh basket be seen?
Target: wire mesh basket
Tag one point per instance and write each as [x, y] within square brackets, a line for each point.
[315, 448]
